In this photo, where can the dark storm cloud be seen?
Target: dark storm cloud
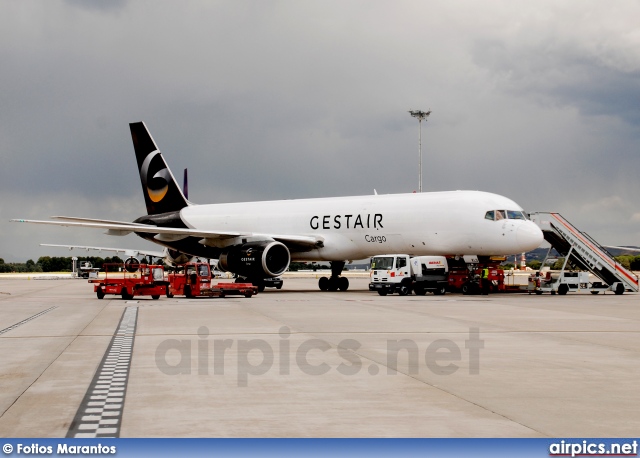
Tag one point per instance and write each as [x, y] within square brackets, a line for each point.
[98, 5]
[273, 100]
[563, 76]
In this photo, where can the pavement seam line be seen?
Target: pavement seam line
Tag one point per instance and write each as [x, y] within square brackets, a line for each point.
[52, 362]
[26, 320]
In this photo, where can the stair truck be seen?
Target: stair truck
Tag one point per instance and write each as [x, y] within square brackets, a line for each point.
[582, 252]
[403, 274]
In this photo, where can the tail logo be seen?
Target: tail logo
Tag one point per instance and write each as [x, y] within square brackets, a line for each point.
[155, 178]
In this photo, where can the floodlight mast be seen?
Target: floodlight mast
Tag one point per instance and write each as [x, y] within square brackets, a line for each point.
[420, 115]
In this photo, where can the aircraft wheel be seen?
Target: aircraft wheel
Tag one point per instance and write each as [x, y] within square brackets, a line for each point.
[333, 284]
[323, 284]
[343, 283]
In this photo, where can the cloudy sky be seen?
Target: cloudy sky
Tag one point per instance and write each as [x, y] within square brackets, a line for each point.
[538, 101]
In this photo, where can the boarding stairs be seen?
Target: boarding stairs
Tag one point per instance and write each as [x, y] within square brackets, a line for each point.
[584, 252]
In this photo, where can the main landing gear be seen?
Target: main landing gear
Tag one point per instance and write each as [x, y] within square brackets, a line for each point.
[335, 282]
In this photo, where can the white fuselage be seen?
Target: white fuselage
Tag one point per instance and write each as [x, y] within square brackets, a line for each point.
[433, 223]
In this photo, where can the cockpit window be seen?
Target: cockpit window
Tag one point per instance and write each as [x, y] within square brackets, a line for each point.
[513, 214]
[497, 215]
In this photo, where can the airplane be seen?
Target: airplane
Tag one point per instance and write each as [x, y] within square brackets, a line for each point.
[624, 248]
[258, 240]
[170, 257]
[131, 254]
[128, 252]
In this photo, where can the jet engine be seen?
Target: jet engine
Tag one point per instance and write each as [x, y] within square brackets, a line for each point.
[131, 264]
[256, 259]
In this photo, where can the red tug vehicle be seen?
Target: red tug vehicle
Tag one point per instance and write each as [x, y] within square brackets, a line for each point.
[466, 276]
[131, 279]
[194, 279]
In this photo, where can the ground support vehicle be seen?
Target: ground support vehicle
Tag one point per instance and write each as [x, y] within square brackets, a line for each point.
[194, 280]
[84, 269]
[402, 274]
[189, 279]
[560, 282]
[582, 253]
[465, 276]
[130, 280]
[563, 282]
[229, 289]
[574, 273]
[273, 282]
[261, 284]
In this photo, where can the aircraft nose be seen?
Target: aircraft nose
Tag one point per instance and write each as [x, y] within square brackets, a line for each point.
[529, 236]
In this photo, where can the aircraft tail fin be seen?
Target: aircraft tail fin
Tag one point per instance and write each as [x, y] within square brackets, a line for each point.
[161, 191]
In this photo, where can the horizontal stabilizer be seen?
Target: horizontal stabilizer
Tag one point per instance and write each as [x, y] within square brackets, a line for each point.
[91, 220]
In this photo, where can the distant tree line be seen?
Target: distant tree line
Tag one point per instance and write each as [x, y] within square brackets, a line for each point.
[64, 264]
[29, 266]
[628, 261]
[54, 264]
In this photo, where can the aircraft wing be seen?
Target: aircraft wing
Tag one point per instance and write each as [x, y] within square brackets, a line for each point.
[294, 242]
[126, 251]
[120, 228]
[627, 248]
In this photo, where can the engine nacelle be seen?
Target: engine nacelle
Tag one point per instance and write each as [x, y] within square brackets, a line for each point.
[131, 264]
[256, 259]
